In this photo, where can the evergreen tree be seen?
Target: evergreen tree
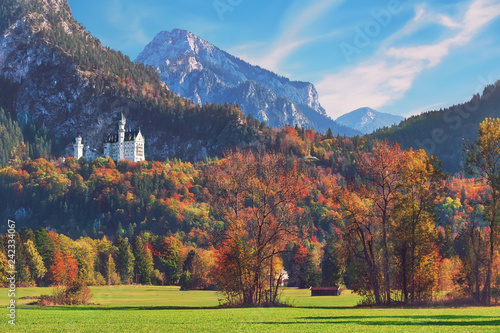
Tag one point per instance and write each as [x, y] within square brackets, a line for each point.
[124, 260]
[144, 265]
[331, 266]
[329, 134]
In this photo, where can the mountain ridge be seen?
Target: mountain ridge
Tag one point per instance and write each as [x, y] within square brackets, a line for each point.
[201, 71]
[367, 120]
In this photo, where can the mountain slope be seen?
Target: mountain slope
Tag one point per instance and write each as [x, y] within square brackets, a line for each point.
[66, 80]
[196, 69]
[367, 120]
[441, 133]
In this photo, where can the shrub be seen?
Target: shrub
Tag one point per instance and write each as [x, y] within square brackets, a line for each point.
[184, 281]
[76, 292]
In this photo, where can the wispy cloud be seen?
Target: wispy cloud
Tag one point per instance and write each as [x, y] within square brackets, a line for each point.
[129, 21]
[391, 73]
[290, 38]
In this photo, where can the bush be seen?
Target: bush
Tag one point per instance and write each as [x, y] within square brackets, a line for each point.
[76, 292]
[184, 281]
[99, 280]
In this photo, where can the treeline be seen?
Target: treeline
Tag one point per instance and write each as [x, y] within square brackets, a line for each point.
[48, 258]
[45, 258]
[440, 132]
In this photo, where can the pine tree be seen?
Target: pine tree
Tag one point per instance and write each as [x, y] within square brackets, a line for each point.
[124, 260]
[144, 265]
[329, 133]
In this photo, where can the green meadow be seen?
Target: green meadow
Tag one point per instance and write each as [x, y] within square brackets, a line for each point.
[167, 309]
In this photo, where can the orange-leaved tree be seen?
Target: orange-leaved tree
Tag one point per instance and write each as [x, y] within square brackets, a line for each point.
[254, 196]
[483, 161]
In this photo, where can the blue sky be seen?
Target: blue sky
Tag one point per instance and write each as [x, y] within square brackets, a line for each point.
[402, 57]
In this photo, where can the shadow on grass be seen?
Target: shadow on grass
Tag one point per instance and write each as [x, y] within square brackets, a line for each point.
[120, 308]
[417, 320]
[437, 317]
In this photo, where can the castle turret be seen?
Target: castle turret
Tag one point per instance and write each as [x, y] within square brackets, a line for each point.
[78, 147]
[121, 138]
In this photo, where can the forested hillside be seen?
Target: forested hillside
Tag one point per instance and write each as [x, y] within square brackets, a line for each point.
[442, 132]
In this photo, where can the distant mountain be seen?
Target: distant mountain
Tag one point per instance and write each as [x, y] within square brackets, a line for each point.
[196, 69]
[62, 79]
[442, 132]
[367, 120]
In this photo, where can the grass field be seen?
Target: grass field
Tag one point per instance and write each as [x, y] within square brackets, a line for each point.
[167, 309]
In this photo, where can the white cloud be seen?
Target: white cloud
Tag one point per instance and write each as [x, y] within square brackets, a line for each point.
[289, 40]
[387, 77]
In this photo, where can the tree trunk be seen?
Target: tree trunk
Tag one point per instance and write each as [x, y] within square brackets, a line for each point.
[387, 275]
[487, 282]
[374, 276]
[404, 274]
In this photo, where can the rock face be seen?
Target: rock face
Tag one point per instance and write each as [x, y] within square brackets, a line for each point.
[198, 70]
[66, 80]
[367, 120]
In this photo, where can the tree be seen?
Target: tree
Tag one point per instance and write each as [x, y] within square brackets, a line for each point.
[483, 161]
[168, 252]
[332, 264]
[35, 261]
[44, 245]
[110, 271]
[85, 253]
[144, 265]
[254, 195]
[381, 172]
[124, 260]
[329, 134]
[390, 222]
[63, 269]
[361, 233]
[199, 264]
[414, 226]
[304, 270]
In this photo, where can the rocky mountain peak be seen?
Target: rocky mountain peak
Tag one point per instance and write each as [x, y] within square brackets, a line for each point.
[367, 120]
[56, 5]
[195, 68]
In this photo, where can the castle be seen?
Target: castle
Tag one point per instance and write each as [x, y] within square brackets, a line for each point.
[127, 145]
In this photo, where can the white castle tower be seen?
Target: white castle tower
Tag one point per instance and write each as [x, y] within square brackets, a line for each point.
[121, 138]
[78, 147]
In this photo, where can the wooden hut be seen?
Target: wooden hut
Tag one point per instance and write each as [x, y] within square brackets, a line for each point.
[325, 291]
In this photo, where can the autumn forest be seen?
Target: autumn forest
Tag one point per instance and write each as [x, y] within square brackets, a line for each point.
[385, 222]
